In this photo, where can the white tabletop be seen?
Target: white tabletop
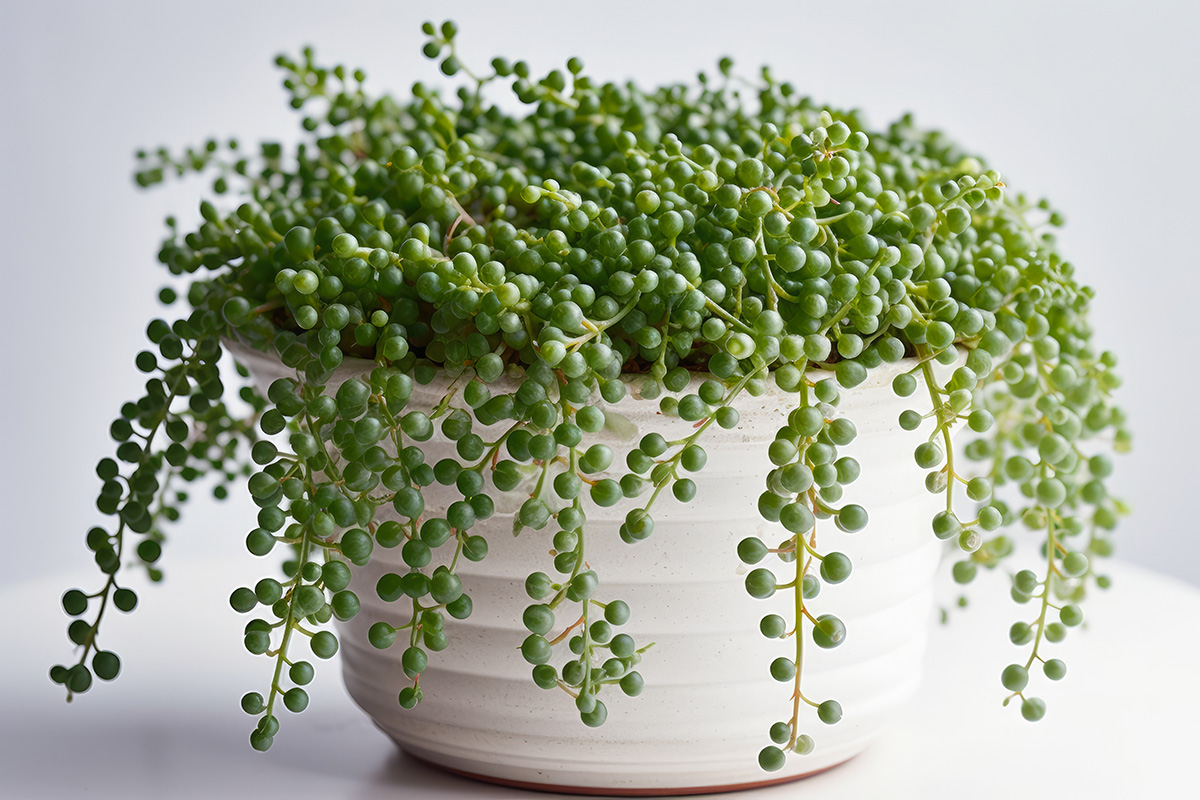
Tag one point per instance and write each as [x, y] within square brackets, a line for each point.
[1123, 723]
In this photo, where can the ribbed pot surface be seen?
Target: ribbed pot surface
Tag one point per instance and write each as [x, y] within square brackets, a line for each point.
[709, 698]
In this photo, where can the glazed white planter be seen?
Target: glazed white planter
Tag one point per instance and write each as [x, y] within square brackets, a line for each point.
[709, 698]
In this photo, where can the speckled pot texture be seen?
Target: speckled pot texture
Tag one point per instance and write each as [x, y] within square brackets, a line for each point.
[709, 698]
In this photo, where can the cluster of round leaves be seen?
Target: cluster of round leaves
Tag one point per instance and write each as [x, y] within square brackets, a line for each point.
[805, 486]
[689, 242]
[178, 430]
[603, 656]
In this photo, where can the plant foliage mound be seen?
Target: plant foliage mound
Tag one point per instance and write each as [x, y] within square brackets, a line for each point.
[604, 236]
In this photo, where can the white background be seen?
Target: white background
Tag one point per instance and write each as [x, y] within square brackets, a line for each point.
[1092, 104]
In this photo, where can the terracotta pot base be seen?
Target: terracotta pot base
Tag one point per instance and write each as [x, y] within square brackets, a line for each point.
[634, 792]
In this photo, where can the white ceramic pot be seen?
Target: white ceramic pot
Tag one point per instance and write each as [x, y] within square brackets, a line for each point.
[709, 698]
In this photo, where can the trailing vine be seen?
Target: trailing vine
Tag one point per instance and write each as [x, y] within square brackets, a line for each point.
[512, 275]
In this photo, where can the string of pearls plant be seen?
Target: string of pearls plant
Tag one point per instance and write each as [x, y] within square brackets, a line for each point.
[743, 232]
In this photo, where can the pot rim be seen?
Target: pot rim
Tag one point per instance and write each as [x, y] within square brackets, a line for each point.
[877, 376]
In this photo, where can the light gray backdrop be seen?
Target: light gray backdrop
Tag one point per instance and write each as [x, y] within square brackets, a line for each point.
[1090, 103]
